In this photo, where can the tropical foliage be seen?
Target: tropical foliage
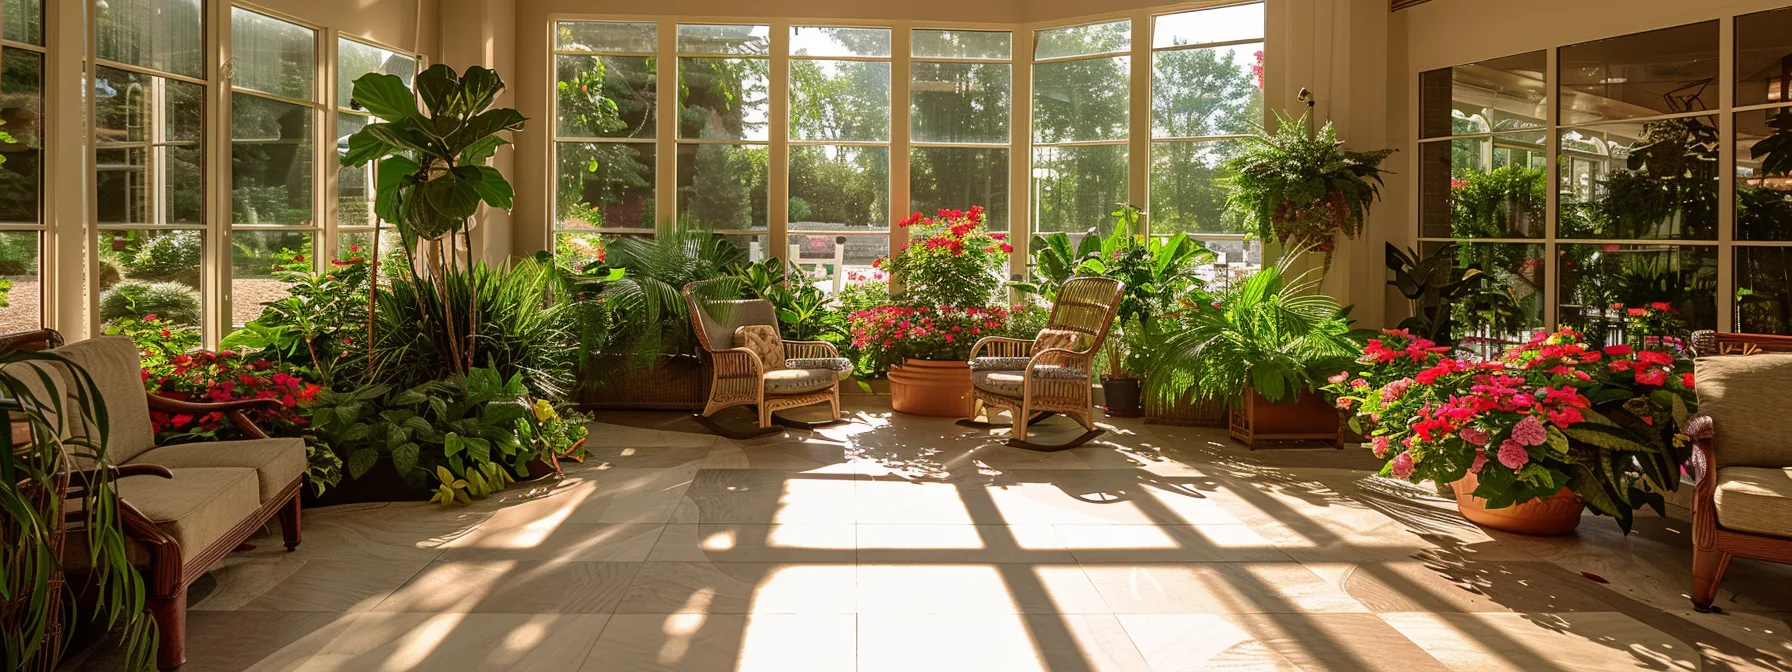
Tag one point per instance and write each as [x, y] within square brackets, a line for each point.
[1302, 187]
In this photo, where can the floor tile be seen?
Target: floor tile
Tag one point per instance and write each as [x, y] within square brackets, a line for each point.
[1008, 642]
[335, 586]
[741, 588]
[1227, 587]
[603, 496]
[1520, 642]
[725, 643]
[1493, 586]
[1199, 642]
[546, 540]
[934, 588]
[766, 496]
[514, 587]
[740, 542]
[511, 642]
[1167, 543]
[961, 544]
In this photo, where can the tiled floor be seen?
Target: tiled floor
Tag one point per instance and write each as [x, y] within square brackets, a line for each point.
[909, 544]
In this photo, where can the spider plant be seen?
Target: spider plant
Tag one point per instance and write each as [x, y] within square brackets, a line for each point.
[1270, 332]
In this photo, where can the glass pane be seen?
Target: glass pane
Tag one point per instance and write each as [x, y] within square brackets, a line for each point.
[254, 257]
[270, 160]
[1233, 260]
[724, 39]
[1199, 92]
[636, 38]
[724, 98]
[1641, 75]
[1485, 187]
[1764, 290]
[1186, 193]
[25, 22]
[578, 249]
[755, 247]
[21, 292]
[1763, 57]
[354, 59]
[723, 187]
[272, 56]
[359, 244]
[354, 186]
[1206, 26]
[21, 109]
[605, 185]
[1595, 278]
[1764, 175]
[132, 107]
[166, 35]
[1094, 38]
[1081, 100]
[606, 96]
[1502, 94]
[961, 44]
[832, 263]
[144, 272]
[156, 185]
[1504, 311]
[1653, 180]
[1074, 188]
[835, 188]
[840, 100]
[958, 178]
[959, 102]
[819, 41]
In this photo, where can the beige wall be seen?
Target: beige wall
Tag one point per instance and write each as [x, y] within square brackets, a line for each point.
[403, 24]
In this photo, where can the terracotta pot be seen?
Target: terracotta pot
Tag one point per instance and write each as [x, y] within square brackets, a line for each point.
[1553, 515]
[940, 389]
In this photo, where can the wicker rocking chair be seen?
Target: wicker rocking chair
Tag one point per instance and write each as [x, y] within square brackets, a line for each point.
[1051, 373]
[753, 366]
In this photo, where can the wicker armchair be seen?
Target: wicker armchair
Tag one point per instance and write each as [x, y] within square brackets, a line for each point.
[808, 374]
[1053, 372]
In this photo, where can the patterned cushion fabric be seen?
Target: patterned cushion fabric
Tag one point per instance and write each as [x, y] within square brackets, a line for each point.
[1747, 397]
[1008, 383]
[277, 462]
[799, 381]
[116, 369]
[1755, 500]
[999, 363]
[835, 364]
[763, 340]
[722, 318]
[1074, 341]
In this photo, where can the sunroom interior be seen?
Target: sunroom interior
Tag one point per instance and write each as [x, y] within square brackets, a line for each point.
[799, 335]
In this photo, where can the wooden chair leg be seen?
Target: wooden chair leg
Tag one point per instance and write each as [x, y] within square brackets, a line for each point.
[170, 614]
[289, 524]
[834, 405]
[765, 415]
[1021, 416]
[1708, 567]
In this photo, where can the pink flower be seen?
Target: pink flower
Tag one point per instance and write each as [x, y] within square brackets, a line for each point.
[1345, 402]
[1655, 377]
[1403, 465]
[1338, 377]
[1480, 460]
[1530, 432]
[1475, 436]
[1513, 455]
[1380, 446]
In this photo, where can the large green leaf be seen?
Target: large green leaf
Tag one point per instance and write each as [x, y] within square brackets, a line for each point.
[479, 87]
[385, 96]
[486, 124]
[366, 145]
[479, 150]
[438, 86]
[393, 172]
[494, 189]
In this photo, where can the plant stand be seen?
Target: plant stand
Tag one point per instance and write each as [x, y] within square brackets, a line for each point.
[1309, 418]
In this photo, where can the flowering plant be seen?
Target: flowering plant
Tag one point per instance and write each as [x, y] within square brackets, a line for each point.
[889, 334]
[1552, 413]
[1654, 326]
[950, 260]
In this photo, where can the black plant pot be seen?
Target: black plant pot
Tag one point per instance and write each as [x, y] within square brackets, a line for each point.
[1122, 396]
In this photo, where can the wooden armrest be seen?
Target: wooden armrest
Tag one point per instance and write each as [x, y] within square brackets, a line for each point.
[1056, 357]
[799, 351]
[80, 481]
[737, 363]
[998, 342]
[232, 410]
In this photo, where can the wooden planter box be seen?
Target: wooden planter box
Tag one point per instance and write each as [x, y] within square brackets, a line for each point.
[1185, 412]
[679, 382]
[1309, 417]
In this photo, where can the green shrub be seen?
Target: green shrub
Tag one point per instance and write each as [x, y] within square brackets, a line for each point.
[170, 301]
[172, 256]
[18, 254]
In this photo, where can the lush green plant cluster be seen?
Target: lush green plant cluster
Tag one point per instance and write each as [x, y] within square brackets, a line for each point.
[805, 313]
[1493, 204]
[1302, 187]
[950, 260]
[172, 301]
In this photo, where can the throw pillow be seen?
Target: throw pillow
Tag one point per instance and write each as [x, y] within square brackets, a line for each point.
[763, 340]
[1074, 341]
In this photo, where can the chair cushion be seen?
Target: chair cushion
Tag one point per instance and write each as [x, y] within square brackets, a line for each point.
[198, 506]
[1051, 337]
[277, 462]
[117, 370]
[1008, 383]
[798, 381]
[1756, 500]
[722, 318]
[764, 341]
[1747, 397]
[835, 364]
[1000, 363]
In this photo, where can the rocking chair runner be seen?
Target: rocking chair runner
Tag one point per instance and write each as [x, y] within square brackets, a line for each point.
[1053, 372]
[765, 371]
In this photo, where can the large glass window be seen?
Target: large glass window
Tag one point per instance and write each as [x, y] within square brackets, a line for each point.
[1081, 117]
[1763, 256]
[275, 105]
[606, 96]
[960, 104]
[21, 167]
[354, 186]
[839, 172]
[724, 115]
[1206, 91]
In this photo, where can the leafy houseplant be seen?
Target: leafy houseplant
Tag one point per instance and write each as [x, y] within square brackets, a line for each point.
[950, 260]
[1300, 187]
[1431, 285]
[1498, 203]
[319, 325]
[1550, 414]
[805, 312]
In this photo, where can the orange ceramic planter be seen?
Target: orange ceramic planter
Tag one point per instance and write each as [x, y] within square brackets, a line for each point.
[1553, 515]
[940, 389]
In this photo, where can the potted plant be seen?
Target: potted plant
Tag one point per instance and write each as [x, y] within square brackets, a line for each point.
[947, 279]
[1530, 439]
[1301, 187]
[1264, 344]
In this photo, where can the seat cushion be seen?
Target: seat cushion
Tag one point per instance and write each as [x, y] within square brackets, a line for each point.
[798, 381]
[999, 363]
[1755, 500]
[117, 370]
[1747, 397]
[835, 364]
[1005, 383]
[198, 506]
[764, 341]
[277, 462]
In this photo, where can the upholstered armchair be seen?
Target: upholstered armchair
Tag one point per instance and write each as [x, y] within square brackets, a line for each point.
[1742, 463]
[1054, 371]
[753, 365]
